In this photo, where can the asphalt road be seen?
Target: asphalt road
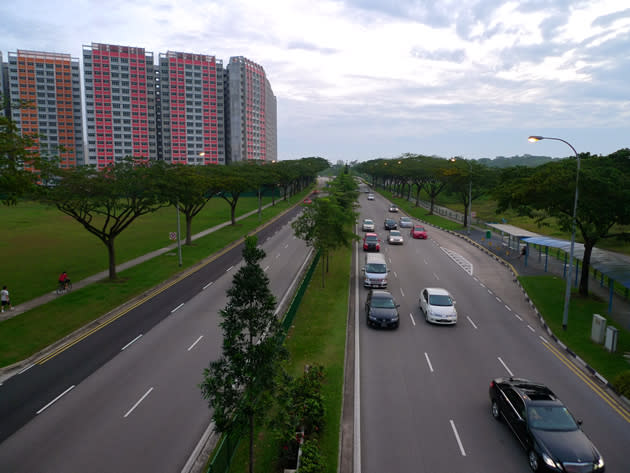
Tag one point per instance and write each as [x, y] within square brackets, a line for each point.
[424, 389]
[125, 398]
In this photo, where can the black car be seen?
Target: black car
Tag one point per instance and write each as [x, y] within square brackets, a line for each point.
[390, 224]
[546, 429]
[381, 310]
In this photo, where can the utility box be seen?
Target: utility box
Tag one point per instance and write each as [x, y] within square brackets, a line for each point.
[488, 235]
[611, 339]
[598, 329]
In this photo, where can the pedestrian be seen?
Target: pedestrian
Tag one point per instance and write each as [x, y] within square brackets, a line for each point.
[523, 251]
[5, 300]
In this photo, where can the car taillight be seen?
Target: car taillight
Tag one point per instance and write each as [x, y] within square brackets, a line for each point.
[492, 384]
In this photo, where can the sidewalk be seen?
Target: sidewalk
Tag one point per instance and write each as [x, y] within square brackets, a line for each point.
[28, 305]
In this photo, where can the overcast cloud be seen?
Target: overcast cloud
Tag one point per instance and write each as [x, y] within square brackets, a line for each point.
[361, 79]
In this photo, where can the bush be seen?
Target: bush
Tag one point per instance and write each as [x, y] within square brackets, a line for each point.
[622, 383]
[311, 460]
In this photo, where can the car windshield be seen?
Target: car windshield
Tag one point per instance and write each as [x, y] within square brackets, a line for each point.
[371, 238]
[368, 222]
[405, 219]
[555, 418]
[440, 300]
[394, 233]
[383, 303]
[375, 268]
[418, 229]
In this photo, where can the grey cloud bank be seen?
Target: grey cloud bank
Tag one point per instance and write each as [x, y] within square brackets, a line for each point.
[360, 79]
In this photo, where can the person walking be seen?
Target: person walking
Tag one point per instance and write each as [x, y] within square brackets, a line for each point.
[5, 300]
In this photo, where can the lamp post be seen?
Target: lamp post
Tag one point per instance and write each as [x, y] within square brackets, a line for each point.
[567, 291]
[469, 220]
[179, 239]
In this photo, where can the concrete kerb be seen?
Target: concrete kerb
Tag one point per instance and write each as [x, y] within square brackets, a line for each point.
[15, 368]
[579, 362]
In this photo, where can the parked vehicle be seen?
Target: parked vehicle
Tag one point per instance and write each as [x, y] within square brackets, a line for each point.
[371, 242]
[381, 310]
[438, 306]
[551, 436]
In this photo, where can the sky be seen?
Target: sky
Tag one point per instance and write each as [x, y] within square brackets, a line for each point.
[363, 79]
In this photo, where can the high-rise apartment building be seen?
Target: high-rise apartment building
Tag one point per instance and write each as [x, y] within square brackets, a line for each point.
[191, 112]
[120, 104]
[48, 84]
[252, 112]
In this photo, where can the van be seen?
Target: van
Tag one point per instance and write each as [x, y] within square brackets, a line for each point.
[375, 271]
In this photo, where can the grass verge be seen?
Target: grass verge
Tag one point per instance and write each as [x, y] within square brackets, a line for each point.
[317, 336]
[547, 294]
[26, 334]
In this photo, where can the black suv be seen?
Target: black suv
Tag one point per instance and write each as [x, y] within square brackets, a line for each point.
[546, 429]
[381, 310]
[390, 224]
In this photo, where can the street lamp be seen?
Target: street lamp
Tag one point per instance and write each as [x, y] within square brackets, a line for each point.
[469, 220]
[567, 291]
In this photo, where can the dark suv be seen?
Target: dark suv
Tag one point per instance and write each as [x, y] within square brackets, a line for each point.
[545, 428]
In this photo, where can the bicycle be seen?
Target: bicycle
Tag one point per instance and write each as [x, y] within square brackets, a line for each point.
[63, 287]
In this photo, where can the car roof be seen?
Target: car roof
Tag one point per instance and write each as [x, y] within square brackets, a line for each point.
[531, 391]
[437, 291]
[371, 234]
[381, 293]
[405, 218]
[367, 219]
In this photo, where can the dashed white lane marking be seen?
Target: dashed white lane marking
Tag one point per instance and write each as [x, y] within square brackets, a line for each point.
[436, 276]
[497, 298]
[138, 403]
[531, 328]
[208, 285]
[55, 400]
[426, 355]
[508, 307]
[266, 268]
[459, 442]
[460, 260]
[490, 292]
[543, 339]
[196, 341]
[518, 317]
[24, 370]
[401, 292]
[132, 341]
[412, 319]
[505, 366]
[471, 322]
[228, 270]
[395, 274]
[178, 307]
[482, 284]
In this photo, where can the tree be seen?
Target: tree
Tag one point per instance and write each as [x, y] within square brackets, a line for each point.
[106, 202]
[604, 197]
[233, 182]
[237, 385]
[190, 188]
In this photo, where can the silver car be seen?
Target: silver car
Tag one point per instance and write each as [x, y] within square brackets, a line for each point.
[405, 222]
[395, 237]
[368, 225]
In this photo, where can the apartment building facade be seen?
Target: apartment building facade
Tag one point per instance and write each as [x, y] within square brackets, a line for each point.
[120, 103]
[190, 109]
[251, 118]
[50, 84]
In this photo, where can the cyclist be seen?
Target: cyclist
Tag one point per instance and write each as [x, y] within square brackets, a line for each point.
[64, 280]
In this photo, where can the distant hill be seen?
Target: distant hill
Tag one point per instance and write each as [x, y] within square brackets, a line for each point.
[525, 160]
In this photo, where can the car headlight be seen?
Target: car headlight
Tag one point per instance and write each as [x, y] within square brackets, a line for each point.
[600, 463]
[550, 462]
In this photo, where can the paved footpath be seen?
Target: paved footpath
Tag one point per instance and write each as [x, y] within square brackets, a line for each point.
[23, 307]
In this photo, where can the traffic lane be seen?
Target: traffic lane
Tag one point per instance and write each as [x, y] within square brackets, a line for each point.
[601, 414]
[298, 250]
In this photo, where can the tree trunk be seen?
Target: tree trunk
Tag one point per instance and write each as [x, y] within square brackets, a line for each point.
[251, 443]
[188, 229]
[112, 258]
[418, 197]
[233, 213]
[323, 272]
[465, 215]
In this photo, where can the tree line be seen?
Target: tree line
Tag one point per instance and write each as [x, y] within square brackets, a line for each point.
[541, 192]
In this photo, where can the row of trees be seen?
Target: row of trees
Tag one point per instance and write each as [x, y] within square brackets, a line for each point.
[540, 192]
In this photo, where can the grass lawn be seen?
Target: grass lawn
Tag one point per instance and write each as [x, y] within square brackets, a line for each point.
[318, 336]
[37, 242]
[32, 331]
[547, 293]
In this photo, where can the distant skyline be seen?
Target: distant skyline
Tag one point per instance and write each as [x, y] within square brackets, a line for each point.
[366, 79]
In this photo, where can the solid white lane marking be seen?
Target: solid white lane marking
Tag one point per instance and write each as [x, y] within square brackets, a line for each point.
[505, 366]
[531, 328]
[178, 307]
[518, 316]
[131, 342]
[24, 370]
[401, 291]
[208, 285]
[196, 341]
[426, 355]
[471, 322]
[228, 270]
[138, 403]
[412, 319]
[459, 442]
[55, 400]
[508, 307]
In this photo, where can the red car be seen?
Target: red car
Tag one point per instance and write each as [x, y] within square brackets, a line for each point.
[308, 201]
[418, 231]
[371, 242]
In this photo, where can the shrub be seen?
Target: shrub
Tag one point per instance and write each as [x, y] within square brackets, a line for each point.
[622, 383]
[311, 460]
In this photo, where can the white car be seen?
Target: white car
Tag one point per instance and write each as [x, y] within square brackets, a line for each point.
[438, 306]
[395, 237]
[368, 225]
[370, 196]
